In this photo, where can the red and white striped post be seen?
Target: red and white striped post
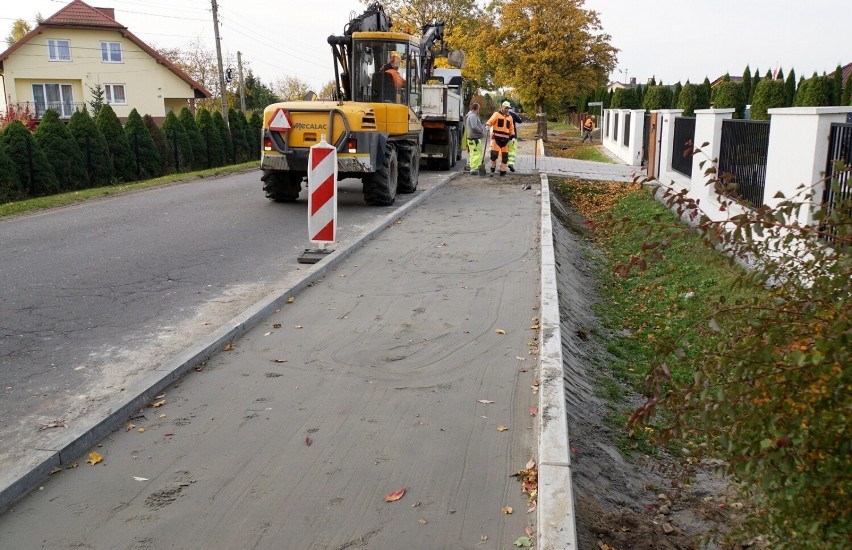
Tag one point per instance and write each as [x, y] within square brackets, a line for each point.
[322, 193]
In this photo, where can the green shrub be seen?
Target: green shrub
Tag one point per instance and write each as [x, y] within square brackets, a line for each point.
[176, 134]
[224, 134]
[164, 149]
[769, 94]
[93, 145]
[625, 98]
[688, 99]
[21, 147]
[818, 92]
[238, 126]
[144, 151]
[123, 161]
[729, 95]
[255, 131]
[790, 89]
[199, 151]
[10, 183]
[658, 97]
[62, 150]
[214, 151]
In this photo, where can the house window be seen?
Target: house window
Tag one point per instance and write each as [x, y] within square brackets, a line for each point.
[114, 94]
[54, 96]
[111, 52]
[59, 50]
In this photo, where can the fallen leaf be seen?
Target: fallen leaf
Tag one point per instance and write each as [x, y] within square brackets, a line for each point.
[523, 542]
[159, 403]
[502, 428]
[130, 427]
[500, 331]
[94, 458]
[54, 470]
[507, 509]
[168, 434]
[140, 430]
[136, 478]
[309, 441]
[298, 326]
[520, 358]
[535, 327]
[279, 360]
[291, 299]
[268, 333]
[533, 411]
[161, 396]
[73, 465]
[54, 424]
[276, 325]
[229, 347]
[422, 521]
[416, 504]
[395, 495]
[486, 401]
[530, 464]
[532, 508]
[528, 530]
[483, 538]
[161, 416]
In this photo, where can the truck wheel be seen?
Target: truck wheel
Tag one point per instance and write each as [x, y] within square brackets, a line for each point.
[409, 167]
[282, 186]
[452, 151]
[458, 147]
[380, 186]
[446, 162]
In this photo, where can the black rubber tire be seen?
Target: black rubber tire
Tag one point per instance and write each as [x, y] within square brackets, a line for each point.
[282, 186]
[458, 147]
[445, 162]
[380, 187]
[409, 167]
[453, 146]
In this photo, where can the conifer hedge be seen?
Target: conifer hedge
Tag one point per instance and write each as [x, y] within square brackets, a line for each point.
[176, 135]
[199, 151]
[93, 145]
[144, 151]
[123, 161]
[63, 153]
[37, 177]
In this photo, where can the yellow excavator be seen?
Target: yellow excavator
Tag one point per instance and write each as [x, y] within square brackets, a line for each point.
[373, 118]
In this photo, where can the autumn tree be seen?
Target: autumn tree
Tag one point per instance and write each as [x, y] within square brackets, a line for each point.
[291, 88]
[19, 28]
[522, 53]
[198, 60]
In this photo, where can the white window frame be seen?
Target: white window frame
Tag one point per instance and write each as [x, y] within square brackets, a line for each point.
[53, 44]
[107, 51]
[109, 94]
[65, 106]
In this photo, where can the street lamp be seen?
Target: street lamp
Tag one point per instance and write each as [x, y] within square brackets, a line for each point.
[626, 80]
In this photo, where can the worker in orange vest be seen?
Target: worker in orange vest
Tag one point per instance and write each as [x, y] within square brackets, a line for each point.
[502, 129]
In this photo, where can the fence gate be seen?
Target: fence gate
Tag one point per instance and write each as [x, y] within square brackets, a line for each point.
[742, 159]
[839, 149]
[682, 145]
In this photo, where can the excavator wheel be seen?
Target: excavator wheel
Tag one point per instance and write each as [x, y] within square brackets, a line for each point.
[380, 186]
[282, 186]
[409, 167]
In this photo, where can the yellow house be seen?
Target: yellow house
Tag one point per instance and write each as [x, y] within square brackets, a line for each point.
[57, 64]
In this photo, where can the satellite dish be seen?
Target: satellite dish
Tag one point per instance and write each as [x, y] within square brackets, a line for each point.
[457, 58]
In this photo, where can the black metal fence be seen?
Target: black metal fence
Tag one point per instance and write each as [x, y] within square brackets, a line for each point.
[646, 135]
[838, 185]
[682, 145]
[615, 127]
[606, 124]
[742, 160]
[627, 117]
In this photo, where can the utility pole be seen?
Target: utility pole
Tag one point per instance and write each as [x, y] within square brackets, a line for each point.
[242, 82]
[219, 61]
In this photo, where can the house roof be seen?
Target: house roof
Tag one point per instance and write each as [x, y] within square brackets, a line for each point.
[722, 78]
[846, 72]
[79, 15]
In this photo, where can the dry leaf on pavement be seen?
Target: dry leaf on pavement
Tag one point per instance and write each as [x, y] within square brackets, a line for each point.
[395, 495]
[309, 441]
[290, 300]
[276, 325]
[507, 510]
[502, 428]
[229, 347]
[533, 411]
[486, 401]
[94, 458]
[500, 331]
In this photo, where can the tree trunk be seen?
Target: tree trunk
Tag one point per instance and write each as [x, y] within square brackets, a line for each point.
[541, 120]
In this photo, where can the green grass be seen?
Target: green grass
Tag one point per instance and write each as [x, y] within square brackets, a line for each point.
[72, 197]
[589, 152]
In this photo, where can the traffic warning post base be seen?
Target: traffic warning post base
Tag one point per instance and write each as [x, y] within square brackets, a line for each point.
[313, 255]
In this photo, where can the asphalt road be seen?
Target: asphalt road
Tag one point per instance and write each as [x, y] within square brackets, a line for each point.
[97, 295]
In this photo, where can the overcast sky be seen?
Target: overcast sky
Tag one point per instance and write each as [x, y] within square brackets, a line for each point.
[670, 39]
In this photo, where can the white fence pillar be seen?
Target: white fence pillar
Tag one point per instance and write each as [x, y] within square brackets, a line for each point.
[708, 129]
[798, 152]
[665, 128]
[637, 123]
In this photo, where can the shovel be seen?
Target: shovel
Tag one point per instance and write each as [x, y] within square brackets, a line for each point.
[484, 150]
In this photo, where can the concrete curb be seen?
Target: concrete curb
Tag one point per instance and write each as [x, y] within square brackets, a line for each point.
[555, 510]
[21, 479]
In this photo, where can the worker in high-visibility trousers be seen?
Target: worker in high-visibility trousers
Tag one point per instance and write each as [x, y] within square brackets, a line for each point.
[475, 134]
[502, 130]
[513, 143]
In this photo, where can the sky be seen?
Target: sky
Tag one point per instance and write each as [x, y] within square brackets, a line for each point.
[672, 40]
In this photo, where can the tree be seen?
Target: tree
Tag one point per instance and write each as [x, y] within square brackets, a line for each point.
[688, 99]
[123, 161]
[214, 150]
[224, 136]
[255, 129]
[258, 94]
[768, 95]
[10, 184]
[144, 149]
[818, 92]
[625, 98]
[198, 61]
[238, 128]
[801, 91]
[678, 88]
[97, 100]
[658, 97]
[179, 143]
[729, 95]
[291, 88]
[63, 153]
[847, 92]
[521, 50]
[196, 141]
[24, 152]
[167, 159]
[837, 86]
[754, 82]
[702, 98]
[327, 90]
[19, 28]
[93, 145]
[790, 89]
